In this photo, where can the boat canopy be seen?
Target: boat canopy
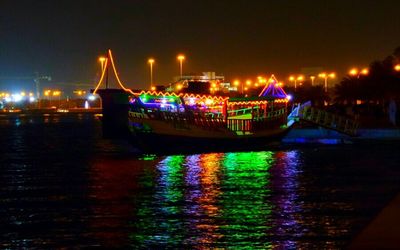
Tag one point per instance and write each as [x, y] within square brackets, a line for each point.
[273, 89]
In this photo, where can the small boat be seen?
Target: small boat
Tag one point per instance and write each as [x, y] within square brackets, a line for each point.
[177, 122]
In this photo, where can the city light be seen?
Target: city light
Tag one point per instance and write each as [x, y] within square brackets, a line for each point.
[295, 79]
[325, 76]
[79, 92]
[397, 67]
[365, 71]
[181, 58]
[312, 80]
[151, 62]
[353, 72]
[356, 72]
[17, 97]
[92, 97]
[102, 61]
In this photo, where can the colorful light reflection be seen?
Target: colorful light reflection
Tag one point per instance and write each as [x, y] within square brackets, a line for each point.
[221, 200]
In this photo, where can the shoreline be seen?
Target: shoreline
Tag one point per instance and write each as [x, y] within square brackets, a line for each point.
[304, 135]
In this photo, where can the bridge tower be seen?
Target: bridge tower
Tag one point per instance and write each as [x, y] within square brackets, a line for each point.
[115, 102]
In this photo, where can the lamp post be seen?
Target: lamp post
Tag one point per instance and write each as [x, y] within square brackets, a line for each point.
[326, 76]
[312, 80]
[295, 79]
[151, 61]
[355, 72]
[248, 83]
[181, 58]
[237, 83]
[102, 59]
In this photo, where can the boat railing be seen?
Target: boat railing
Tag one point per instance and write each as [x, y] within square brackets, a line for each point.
[243, 111]
[217, 122]
[270, 115]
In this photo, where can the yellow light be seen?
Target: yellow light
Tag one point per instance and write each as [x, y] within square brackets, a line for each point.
[353, 72]
[102, 59]
[22, 93]
[181, 57]
[214, 85]
[30, 94]
[332, 75]
[151, 61]
[209, 101]
[291, 78]
[179, 87]
[300, 78]
[397, 67]
[248, 82]
[236, 83]
[256, 84]
[153, 88]
[365, 71]
[245, 88]
[322, 75]
[115, 73]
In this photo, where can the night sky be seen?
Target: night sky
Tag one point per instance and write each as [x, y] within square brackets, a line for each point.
[236, 38]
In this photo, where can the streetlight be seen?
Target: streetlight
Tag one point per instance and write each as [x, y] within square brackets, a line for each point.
[237, 83]
[397, 67]
[326, 76]
[356, 72]
[295, 79]
[102, 59]
[151, 61]
[312, 80]
[181, 58]
[248, 83]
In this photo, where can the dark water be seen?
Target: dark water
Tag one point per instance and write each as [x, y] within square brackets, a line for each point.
[63, 186]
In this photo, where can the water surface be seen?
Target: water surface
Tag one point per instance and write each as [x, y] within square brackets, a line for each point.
[62, 185]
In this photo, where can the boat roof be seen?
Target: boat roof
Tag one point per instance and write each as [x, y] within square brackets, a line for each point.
[233, 100]
[184, 95]
[273, 88]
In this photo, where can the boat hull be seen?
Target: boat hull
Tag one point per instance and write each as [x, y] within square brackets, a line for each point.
[150, 142]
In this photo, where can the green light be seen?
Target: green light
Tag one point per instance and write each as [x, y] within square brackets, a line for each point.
[246, 204]
[148, 157]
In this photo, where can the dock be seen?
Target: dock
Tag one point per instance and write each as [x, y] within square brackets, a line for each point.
[383, 231]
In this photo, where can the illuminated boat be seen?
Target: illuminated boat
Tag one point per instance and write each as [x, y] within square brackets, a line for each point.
[182, 122]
